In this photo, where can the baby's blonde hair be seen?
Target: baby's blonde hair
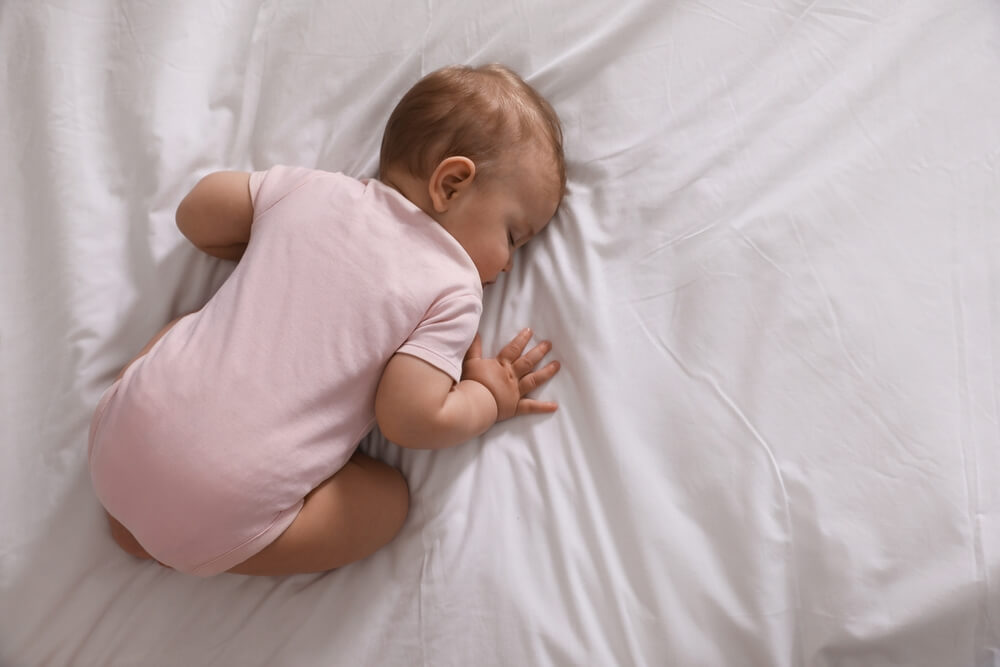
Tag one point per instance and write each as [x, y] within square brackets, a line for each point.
[476, 112]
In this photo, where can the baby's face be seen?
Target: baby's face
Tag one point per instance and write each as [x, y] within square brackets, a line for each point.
[502, 214]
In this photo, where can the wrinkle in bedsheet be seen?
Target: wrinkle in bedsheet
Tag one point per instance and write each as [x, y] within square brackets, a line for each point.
[780, 492]
[962, 266]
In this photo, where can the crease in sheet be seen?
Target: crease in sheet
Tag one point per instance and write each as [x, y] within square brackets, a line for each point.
[714, 14]
[970, 464]
[242, 138]
[828, 302]
[611, 35]
[763, 254]
[785, 502]
[425, 39]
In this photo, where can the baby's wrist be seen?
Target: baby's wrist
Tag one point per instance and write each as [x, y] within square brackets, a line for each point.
[489, 402]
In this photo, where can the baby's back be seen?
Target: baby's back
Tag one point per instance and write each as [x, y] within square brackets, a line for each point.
[246, 405]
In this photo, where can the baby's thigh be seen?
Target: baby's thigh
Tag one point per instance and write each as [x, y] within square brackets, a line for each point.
[346, 518]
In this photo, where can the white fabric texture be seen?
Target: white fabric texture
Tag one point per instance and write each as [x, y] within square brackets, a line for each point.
[773, 287]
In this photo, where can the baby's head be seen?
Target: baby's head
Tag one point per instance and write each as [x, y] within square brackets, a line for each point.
[480, 151]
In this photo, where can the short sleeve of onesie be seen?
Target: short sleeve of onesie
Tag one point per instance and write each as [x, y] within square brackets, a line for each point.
[256, 178]
[443, 337]
[268, 187]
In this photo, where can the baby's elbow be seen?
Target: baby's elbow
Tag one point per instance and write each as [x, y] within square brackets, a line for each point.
[403, 437]
[183, 216]
[188, 216]
[389, 428]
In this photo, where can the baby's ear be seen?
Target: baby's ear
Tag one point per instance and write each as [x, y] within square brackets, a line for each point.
[450, 179]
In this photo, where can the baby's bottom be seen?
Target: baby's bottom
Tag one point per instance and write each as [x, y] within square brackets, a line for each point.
[346, 518]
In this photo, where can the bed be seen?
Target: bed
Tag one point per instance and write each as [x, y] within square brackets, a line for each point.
[774, 287]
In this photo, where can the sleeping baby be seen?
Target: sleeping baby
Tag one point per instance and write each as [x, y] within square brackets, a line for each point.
[229, 443]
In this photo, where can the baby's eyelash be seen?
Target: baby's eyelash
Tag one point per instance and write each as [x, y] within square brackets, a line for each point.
[510, 238]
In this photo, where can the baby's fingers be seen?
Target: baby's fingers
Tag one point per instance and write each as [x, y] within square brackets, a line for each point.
[529, 406]
[533, 381]
[531, 358]
[512, 350]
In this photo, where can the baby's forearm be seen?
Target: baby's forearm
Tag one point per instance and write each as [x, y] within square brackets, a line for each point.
[467, 410]
[419, 406]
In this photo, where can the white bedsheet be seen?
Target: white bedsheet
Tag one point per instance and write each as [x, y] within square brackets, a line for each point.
[774, 287]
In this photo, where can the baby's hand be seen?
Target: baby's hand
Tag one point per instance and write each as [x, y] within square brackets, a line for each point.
[510, 376]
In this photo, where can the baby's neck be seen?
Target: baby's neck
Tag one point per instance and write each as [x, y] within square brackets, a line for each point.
[411, 187]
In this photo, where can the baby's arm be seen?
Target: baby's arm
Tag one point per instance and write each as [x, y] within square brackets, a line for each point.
[216, 214]
[418, 405]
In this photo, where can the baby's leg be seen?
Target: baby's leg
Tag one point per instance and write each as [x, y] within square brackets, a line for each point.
[125, 540]
[346, 518]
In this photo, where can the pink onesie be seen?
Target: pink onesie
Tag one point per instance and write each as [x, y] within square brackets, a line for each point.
[208, 444]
